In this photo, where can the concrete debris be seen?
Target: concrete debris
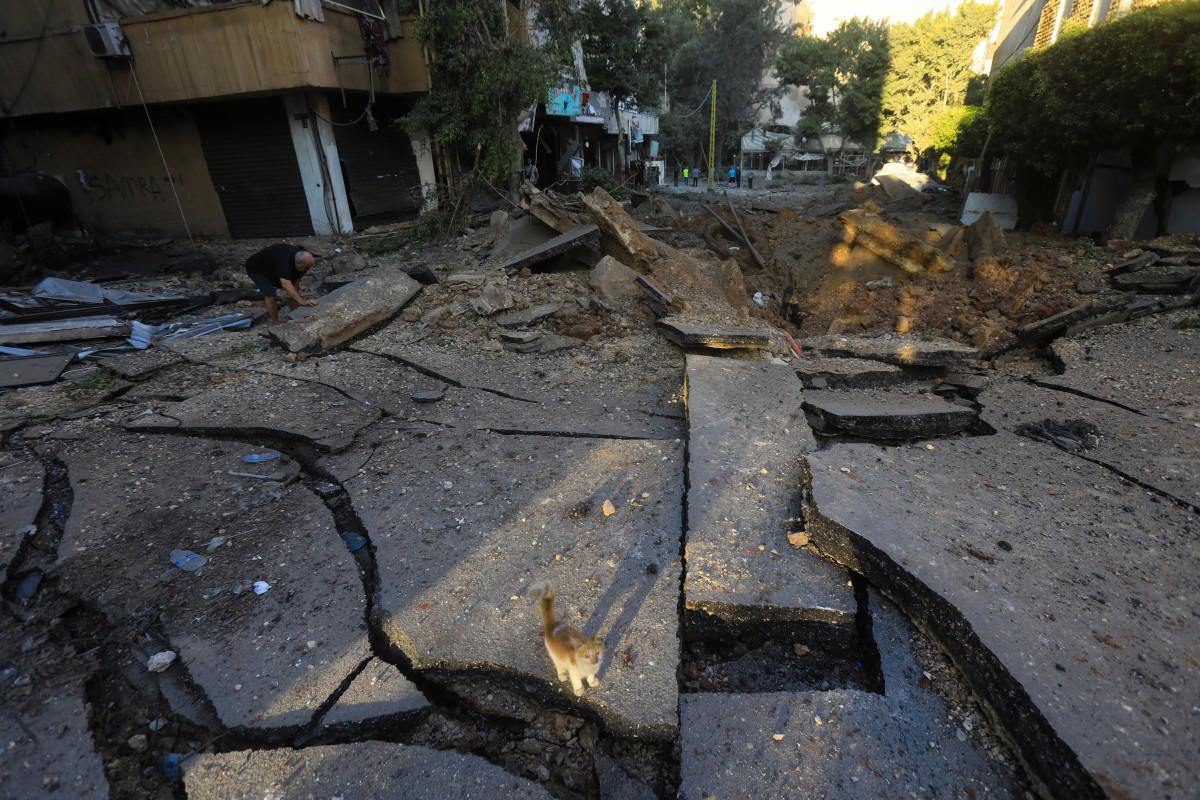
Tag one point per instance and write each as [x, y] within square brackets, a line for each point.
[492, 299]
[21, 482]
[344, 313]
[528, 316]
[848, 373]
[613, 282]
[886, 415]
[697, 333]
[633, 248]
[32, 370]
[582, 236]
[892, 244]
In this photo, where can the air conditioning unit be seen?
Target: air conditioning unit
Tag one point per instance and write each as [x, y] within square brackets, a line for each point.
[107, 40]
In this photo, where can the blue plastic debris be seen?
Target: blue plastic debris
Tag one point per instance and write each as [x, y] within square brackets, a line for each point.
[170, 765]
[255, 458]
[354, 542]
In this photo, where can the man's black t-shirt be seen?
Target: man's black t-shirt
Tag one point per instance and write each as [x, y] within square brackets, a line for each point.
[275, 263]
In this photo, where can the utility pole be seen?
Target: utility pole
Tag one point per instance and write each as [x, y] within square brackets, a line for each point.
[712, 136]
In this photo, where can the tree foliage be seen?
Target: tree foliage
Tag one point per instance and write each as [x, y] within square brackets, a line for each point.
[931, 69]
[624, 49]
[486, 71]
[844, 74]
[731, 41]
[1131, 83]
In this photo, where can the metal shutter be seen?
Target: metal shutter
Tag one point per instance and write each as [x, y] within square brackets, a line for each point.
[252, 162]
[380, 171]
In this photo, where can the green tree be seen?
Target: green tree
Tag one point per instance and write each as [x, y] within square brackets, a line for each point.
[931, 70]
[621, 52]
[1129, 84]
[731, 41]
[844, 74]
[486, 72]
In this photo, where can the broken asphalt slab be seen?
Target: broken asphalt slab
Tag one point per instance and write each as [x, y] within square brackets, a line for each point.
[380, 690]
[21, 482]
[458, 547]
[361, 771]
[262, 404]
[891, 415]
[346, 312]
[48, 751]
[1146, 365]
[1160, 454]
[840, 743]
[746, 446]
[900, 349]
[263, 660]
[577, 237]
[848, 373]
[142, 363]
[228, 349]
[697, 333]
[1064, 594]
[397, 390]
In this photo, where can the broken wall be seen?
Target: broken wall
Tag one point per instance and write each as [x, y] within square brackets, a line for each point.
[111, 166]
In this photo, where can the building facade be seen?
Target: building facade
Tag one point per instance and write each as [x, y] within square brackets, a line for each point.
[242, 118]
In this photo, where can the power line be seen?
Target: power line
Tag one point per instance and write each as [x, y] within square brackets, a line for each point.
[154, 133]
[707, 95]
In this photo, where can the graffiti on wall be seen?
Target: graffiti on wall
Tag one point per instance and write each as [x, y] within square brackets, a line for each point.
[109, 188]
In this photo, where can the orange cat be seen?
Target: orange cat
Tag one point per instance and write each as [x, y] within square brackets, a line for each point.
[575, 656]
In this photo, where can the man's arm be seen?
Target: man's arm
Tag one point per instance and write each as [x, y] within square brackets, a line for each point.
[290, 288]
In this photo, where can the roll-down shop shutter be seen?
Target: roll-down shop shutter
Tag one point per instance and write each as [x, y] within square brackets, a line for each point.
[380, 171]
[252, 162]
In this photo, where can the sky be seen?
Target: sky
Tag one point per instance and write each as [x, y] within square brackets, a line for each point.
[827, 14]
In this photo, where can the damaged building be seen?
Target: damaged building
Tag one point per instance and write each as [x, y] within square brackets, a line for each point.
[150, 133]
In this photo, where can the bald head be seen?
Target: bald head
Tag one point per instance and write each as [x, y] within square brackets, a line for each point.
[304, 261]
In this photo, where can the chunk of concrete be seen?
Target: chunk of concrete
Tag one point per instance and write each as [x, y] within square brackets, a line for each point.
[746, 445]
[266, 404]
[848, 373]
[891, 415]
[528, 316]
[1002, 207]
[49, 752]
[264, 661]
[1158, 453]
[613, 282]
[901, 349]
[1062, 593]
[1147, 365]
[457, 547]
[359, 771]
[893, 245]
[576, 237]
[380, 690]
[346, 312]
[21, 482]
[698, 333]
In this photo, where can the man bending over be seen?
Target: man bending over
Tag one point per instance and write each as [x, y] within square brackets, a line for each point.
[280, 266]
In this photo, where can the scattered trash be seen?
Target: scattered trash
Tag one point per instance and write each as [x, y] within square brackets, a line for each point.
[170, 765]
[188, 561]
[157, 724]
[759, 299]
[85, 292]
[326, 490]
[1073, 435]
[161, 661]
[255, 458]
[261, 587]
[354, 542]
[608, 508]
[800, 649]
[215, 542]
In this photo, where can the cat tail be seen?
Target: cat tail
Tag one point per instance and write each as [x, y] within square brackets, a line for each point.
[545, 594]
